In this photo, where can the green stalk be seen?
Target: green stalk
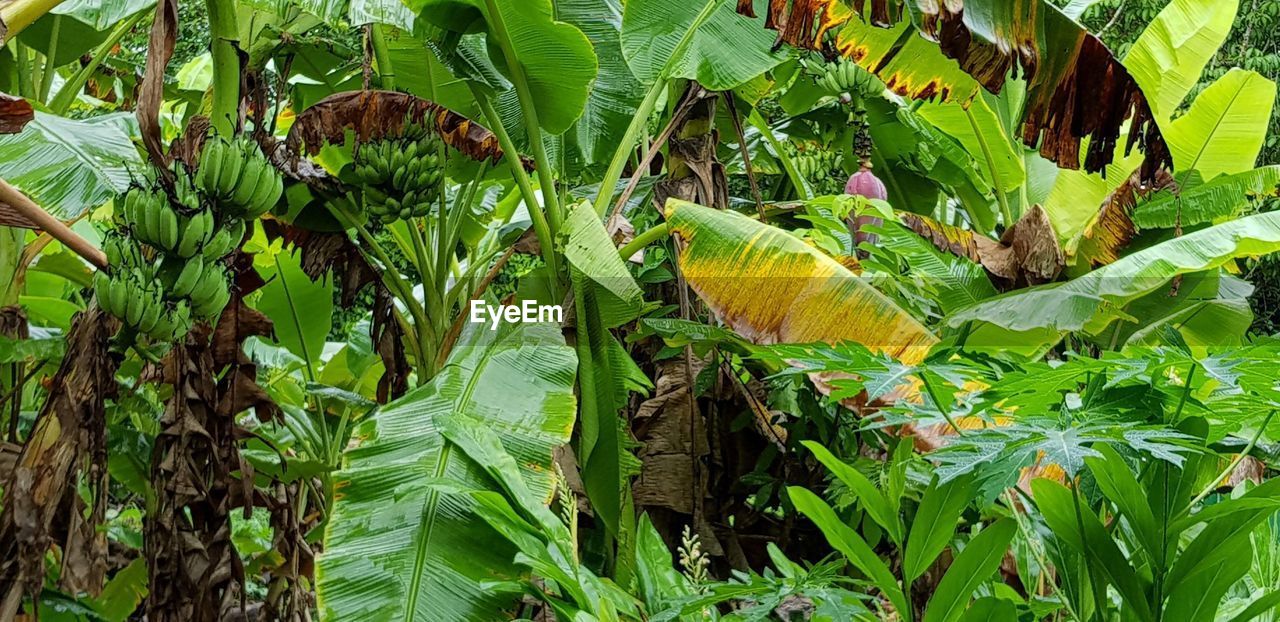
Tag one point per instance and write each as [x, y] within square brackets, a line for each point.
[641, 117]
[386, 71]
[541, 227]
[50, 61]
[67, 94]
[991, 168]
[530, 113]
[1234, 462]
[788, 165]
[224, 30]
[643, 240]
[22, 60]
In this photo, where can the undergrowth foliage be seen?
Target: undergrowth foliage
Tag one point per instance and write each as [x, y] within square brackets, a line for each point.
[858, 311]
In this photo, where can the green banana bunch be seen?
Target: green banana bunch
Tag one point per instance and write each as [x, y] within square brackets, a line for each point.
[845, 76]
[141, 305]
[196, 232]
[210, 292]
[238, 176]
[401, 177]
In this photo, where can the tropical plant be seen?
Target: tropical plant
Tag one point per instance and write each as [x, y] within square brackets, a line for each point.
[844, 310]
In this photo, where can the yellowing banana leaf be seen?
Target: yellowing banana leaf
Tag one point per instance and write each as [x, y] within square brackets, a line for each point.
[403, 542]
[1090, 302]
[1112, 228]
[771, 287]
[1076, 88]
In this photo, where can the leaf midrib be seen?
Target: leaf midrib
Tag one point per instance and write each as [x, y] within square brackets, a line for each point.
[431, 504]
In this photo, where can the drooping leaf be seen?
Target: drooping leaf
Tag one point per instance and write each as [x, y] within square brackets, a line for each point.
[1223, 131]
[745, 270]
[375, 114]
[991, 40]
[726, 51]
[399, 547]
[67, 166]
[1092, 301]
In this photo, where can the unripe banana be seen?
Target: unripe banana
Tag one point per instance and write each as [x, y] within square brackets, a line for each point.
[229, 174]
[188, 278]
[242, 198]
[152, 306]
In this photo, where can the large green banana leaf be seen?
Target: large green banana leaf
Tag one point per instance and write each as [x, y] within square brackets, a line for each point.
[726, 51]
[343, 13]
[616, 91]
[401, 545]
[771, 287]
[1168, 57]
[555, 57]
[1222, 197]
[1223, 131]
[1090, 302]
[69, 167]
[990, 40]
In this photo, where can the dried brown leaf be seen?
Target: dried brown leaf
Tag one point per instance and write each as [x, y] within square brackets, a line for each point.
[376, 114]
[15, 114]
[164, 32]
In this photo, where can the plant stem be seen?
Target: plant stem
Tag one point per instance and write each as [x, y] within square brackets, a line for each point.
[533, 128]
[225, 113]
[1235, 462]
[619, 161]
[933, 396]
[72, 87]
[1003, 200]
[797, 180]
[386, 71]
[50, 60]
[641, 117]
[643, 240]
[540, 226]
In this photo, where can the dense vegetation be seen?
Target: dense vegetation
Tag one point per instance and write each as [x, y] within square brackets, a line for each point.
[945, 311]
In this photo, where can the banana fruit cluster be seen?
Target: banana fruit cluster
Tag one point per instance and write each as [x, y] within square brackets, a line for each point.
[813, 160]
[846, 77]
[400, 177]
[167, 249]
[238, 177]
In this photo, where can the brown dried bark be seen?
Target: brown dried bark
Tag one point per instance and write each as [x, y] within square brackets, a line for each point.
[15, 114]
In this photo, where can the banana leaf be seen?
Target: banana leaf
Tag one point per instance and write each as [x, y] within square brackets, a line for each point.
[989, 40]
[403, 541]
[1091, 302]
[771, 287]
[67, 166]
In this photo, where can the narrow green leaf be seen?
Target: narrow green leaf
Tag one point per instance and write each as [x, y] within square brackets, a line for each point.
[875, 503]
[935, 524]
[848, 542]
[970, 570]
